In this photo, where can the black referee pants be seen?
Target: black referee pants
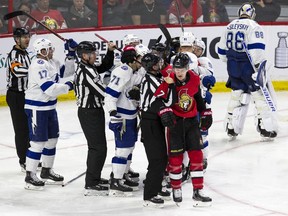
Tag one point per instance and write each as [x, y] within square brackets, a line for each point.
[16, 102]
[93, 125]
[155, 146]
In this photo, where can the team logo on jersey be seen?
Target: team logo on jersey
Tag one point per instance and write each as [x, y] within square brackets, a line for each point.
[185, 101]
[124, 67]
[40, 61]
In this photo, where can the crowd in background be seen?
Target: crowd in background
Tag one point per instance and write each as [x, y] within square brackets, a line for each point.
[84, 13]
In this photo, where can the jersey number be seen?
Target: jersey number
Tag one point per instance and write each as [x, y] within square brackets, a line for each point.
[235, 41]
[115, 79]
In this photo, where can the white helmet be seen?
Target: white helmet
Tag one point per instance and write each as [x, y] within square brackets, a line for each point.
[130, 38]
[247, 9]
[42, 43]
[141, 50]
[200, 43]
[187, 39]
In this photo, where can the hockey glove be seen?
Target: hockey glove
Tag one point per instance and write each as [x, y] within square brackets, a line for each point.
[167, 117]
[206, 119]
[70, 84]
[116, 122]
[134, 93]
[208, 81]
[208, 97]
[71, 46]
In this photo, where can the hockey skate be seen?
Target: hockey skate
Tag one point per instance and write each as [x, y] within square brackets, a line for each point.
[118, 189]
[96, 190]
[50, 177]
[130, 182]
[133, 175]
[155, 201]
[177, 196]
[33, 182]
[267, 136]
[199, 198]
[231, 134]
[165, 194]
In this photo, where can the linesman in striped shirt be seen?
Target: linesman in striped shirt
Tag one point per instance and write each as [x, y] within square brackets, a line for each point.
[18, 62]
[89, 91]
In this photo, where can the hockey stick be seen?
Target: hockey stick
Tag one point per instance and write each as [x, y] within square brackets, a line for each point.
[105, 40]
[21, 13]
[166, 33]
[179, 16]
[261, 78]
[73, 179]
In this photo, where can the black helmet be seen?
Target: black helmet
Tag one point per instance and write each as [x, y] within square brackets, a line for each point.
[19, 32]
[181, 60]
[128, 55]
[175, 43]
[85, 47]
[149, 60]
[159, 47]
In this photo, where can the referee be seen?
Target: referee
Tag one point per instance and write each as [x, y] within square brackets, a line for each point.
[89, 91]
[18, 62]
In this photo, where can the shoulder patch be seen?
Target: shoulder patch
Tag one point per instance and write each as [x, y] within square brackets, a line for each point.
[40, 61]
[124, 67]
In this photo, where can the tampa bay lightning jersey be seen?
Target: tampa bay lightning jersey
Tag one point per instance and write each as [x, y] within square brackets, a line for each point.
[43, 85]
[237, 31]
[122, 80]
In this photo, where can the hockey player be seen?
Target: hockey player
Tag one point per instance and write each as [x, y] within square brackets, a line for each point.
[123, 120]
[242, 75]
[207, 81]
[89, 91]
[18, 61]
[40, 107]
[154, 110]
[185, 136]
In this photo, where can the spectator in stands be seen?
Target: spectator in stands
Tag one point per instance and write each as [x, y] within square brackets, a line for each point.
[186, 12]
[148, 12]
[80, 16]
[24, 21]
[3, 27]
[266, 10]
[114, 14]
[53, 19]
[214, 11]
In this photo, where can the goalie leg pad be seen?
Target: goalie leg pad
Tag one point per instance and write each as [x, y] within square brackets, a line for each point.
[266, 119]
[237, 111]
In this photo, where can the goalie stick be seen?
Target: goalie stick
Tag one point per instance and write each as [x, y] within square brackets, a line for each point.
[261, 78]
[23, 13]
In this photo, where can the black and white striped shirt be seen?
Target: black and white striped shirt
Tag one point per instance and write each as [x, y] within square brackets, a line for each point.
[148, 102]
[89, 89]
[18, 61]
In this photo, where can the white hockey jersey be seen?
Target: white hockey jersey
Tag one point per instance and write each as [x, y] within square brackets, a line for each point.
[253, 36]
[123, 79]
[43, 85]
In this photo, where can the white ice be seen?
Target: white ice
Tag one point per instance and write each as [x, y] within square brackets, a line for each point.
[245, 177]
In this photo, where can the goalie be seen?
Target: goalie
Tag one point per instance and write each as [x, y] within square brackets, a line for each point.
[243, 64]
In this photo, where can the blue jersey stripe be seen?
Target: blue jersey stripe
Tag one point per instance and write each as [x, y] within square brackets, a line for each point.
[126, 111]
[40, 103]
[112, 92]
[221, 51]
[46, 85]
[256, 46]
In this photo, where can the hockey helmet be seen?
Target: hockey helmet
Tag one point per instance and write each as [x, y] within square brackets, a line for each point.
[181, 60]
[248, 10]
[175, 43]
[187, 39]
[130, 39]
[159, 47]
[85, 47]
[141, 49]
[129, 55]
[200, 43]
[19, 32]
[42, 43]
[149, 60]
